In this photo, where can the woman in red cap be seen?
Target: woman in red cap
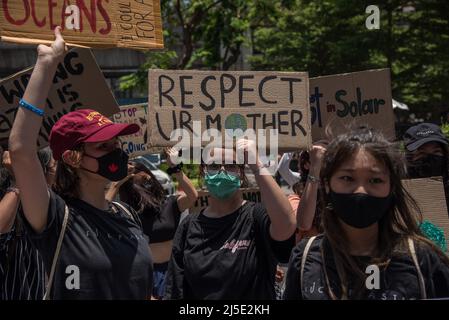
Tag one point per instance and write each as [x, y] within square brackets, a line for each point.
[92, 248]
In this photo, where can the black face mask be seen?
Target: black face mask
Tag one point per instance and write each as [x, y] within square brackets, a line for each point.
[430, 166]
[112, 166]
[359, 210]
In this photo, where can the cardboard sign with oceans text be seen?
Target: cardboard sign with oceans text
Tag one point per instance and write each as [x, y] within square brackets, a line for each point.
[78, 84]
[93, 23]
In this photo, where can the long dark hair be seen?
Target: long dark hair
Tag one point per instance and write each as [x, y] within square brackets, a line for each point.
[399, 224]
[143, 190]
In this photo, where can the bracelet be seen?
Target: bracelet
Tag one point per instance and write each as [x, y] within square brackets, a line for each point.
[30, 107]
[312, 179]
[175, 169]
[262, 169]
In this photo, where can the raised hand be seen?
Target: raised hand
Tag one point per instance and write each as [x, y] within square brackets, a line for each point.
[172, 156]
[55, 52]
[249, 150]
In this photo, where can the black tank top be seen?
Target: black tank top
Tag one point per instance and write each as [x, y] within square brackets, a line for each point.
[160, 224]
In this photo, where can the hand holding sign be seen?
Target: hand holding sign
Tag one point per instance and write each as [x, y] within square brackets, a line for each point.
[55, 52]
[172, 157]
[248, 150]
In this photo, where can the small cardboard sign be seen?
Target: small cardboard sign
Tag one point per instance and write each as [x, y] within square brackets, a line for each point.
[340, 101]
[430, 197]
[249, 194]
[132, 24]
[229, 100]
[78, 84]
[136, 144]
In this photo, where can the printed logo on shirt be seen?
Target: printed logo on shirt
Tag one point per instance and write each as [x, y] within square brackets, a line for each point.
[96, 233]
[317, 291]
[235, 245]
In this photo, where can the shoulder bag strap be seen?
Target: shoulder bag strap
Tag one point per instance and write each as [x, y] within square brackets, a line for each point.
[56, 256]
[422, 286]
[303, 260]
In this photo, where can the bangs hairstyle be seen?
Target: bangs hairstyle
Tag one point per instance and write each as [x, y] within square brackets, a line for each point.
[395, 227]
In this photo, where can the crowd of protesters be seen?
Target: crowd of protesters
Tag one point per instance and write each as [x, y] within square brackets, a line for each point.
[81, 207]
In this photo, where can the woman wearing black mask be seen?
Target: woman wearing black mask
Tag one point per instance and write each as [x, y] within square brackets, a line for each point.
[371, 247]
[427, 153]
[92, 248]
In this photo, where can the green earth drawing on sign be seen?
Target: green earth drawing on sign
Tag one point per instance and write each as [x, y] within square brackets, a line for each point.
[235, 121]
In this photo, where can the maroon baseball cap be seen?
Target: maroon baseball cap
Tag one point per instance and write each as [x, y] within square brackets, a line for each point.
[85, 125]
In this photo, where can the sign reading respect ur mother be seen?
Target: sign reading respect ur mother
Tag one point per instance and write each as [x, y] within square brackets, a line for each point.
[93, 23]
[78, 83]
[213, 100]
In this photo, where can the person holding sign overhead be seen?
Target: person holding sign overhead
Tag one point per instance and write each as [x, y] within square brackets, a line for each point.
[92, 248]
[372, 247]
[231, 248]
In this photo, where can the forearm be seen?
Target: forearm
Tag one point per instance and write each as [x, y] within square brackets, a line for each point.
[8, 209]
[277, 206]
[186, 185]
[186, 200]
[307, 204]
[27, 124]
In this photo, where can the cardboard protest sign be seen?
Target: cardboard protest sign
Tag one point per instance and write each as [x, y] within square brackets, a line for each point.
[249, 194]
[78, 83]
[93, 23]
[136, 144]
[430, 197]
[342, 100]
[229, 100]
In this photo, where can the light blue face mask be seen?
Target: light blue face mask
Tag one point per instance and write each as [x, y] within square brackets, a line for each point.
[222, 185]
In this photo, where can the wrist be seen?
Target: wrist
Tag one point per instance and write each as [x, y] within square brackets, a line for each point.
[315, 171]
[47, 63]
[13, 190]
[313, 178]
[178, 174]
[256, 166]
[175, 170]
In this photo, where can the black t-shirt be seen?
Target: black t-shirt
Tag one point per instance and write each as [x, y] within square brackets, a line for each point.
[160, 225]
[108, 249]
[398, 280]
[232, 257]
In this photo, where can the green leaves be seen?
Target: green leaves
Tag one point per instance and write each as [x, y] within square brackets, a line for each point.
[320, 36]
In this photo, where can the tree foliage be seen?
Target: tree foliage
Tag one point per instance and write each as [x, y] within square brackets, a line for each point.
[320, 36]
